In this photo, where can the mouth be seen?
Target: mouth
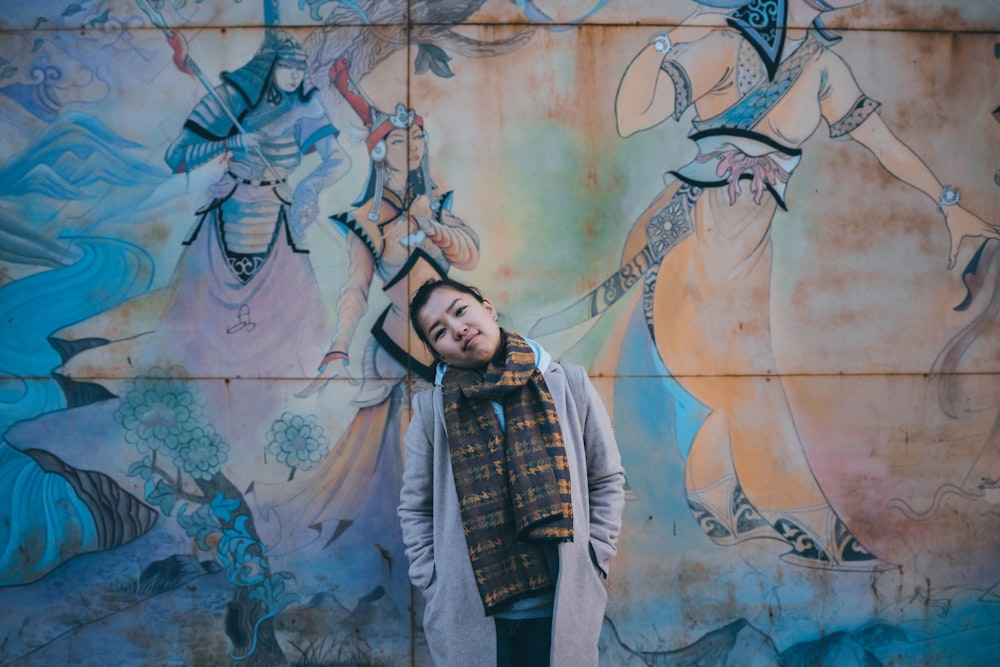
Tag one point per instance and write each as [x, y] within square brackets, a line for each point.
[469, 341]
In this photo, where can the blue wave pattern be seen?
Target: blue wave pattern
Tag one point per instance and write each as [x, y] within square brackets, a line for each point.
[42, 521]
[32, 308]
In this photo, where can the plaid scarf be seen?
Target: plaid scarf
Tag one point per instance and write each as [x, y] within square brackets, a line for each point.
[513, 487]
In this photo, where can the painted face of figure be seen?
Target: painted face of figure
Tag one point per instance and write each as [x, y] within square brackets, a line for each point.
[405, 147]
[288, 75]
[463, 331]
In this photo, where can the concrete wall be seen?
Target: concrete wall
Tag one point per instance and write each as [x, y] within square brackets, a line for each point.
[805, 392]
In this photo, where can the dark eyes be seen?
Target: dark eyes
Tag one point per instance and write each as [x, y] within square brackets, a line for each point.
[440, 331]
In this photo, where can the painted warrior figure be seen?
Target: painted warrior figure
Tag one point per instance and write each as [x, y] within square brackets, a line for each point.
[245, 277]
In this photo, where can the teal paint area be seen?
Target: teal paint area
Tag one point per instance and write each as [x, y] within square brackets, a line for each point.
[109, 272]
[678, 411]
[42, 519]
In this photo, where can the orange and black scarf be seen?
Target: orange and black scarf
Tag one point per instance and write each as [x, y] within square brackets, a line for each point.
[513, 487]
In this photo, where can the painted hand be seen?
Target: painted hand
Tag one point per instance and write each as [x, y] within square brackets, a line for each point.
[248, 142]
[962, 224]
[337, 369]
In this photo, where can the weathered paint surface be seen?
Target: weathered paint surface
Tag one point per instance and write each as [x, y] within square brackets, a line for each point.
[805, 393]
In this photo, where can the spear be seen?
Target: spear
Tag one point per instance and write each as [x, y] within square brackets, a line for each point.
[187, 65]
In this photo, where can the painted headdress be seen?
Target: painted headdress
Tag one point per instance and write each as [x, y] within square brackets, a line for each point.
[764, 22]
[253, 82]
[379, 124]
[252, 79]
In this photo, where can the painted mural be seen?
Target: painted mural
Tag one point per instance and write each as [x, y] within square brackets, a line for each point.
[768, 228]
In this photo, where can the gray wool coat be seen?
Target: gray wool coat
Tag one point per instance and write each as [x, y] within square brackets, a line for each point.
[459, 634]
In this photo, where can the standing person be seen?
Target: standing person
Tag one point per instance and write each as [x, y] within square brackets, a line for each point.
[512, 494]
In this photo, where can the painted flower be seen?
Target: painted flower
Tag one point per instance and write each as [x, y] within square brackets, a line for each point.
[297, 441]
[201, 452]
[157, 409]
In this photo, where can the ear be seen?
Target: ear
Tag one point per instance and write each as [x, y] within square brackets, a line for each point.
[488, 305]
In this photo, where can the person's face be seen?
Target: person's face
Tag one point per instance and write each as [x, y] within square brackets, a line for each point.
[288, 75]
[462, 331]
[405, 147]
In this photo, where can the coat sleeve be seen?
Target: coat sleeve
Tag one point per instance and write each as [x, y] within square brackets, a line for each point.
[605, 476]
[416, 499]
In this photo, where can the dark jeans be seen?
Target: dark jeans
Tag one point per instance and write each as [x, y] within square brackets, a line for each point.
[524, 642]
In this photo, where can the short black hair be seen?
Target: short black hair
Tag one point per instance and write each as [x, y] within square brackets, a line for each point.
[423, 295]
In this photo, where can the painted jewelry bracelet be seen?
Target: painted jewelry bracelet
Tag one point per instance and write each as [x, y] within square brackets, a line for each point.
[661, 43]
[949, 197]
[330, 356]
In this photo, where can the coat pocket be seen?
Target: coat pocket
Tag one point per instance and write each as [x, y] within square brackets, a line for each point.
[602, 568]
[428, 590]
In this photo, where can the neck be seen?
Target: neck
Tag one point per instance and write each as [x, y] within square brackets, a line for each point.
[396, 182]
